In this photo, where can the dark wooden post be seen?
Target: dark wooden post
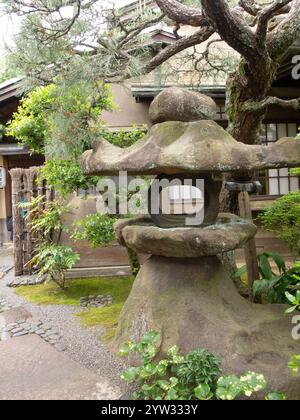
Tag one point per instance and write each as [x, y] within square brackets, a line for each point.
[250, 247]
[28, 243]
[16, 176]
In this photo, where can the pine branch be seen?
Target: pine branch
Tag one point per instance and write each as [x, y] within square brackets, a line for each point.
[286, 32]
[235, 32]
[265, 15]
[182, 14]
[250, 6]
[135, 31]
[183, 43]
[258, 106]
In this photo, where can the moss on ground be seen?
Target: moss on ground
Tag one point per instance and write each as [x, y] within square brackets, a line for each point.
[50, 294]
[106, 317]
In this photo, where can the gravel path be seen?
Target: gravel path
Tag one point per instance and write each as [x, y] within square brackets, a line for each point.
[82, 344]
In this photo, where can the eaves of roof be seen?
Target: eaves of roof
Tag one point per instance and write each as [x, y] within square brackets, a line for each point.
[150, 91]
[7, 149]
[9, 89]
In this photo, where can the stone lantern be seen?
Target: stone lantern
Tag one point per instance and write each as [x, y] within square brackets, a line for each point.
[183, 290]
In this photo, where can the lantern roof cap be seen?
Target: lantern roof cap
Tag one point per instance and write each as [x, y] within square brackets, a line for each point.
[175, 147]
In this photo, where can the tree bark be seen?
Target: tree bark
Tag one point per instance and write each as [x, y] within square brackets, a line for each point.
[242, 87]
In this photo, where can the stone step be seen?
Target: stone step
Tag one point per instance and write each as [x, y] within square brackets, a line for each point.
[18, 322]
[121, 270]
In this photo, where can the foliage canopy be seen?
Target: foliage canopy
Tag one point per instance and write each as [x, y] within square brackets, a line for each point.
[61, 120]
[283, 219]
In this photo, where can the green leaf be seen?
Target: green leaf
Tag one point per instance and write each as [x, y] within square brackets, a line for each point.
[150, 351]
[135, 396]
[126, 349]
[291, 309]
[228, 387]
[173, 351]
[173, 381]
[275, 396]
[164, 385]
[278, 260]
[203, 392]
[172, 395]
[148, 370]
[242, 270]
[294, 364]
[130, 374]
[291, 298]
[265, 267]
[252, 382]
[150, 337]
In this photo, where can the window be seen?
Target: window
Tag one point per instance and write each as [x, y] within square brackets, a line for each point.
[221, 113]
[279, 181]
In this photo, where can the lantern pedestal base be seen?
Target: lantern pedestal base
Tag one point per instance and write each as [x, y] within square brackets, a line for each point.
[194, 304]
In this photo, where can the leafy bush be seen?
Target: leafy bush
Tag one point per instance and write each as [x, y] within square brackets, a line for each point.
[46, 218]
[29, 124]
[194, 376]
[98, 229]
[54, 260]
[295, 171]
[65, 176]
[61, 120]
[124, 137]
[283, 219]
[198, 367]
[273, 286]
[50, 258]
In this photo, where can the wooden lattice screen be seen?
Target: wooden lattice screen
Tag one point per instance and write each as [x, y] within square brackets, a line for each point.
[24, 188]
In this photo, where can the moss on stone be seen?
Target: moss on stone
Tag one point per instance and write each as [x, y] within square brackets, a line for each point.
[169, 132]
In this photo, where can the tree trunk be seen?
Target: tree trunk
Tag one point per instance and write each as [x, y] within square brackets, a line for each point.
[245, 85]
[248, 85]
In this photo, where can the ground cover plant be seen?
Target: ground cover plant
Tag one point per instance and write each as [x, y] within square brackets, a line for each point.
[195, 376]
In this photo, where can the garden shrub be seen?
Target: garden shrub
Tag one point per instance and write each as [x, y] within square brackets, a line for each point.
[61, 120]
[65, 176]
[50, 258]
[283, 219]
[98, 229]
[276, 286]
[125, 137]
[54, 260]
